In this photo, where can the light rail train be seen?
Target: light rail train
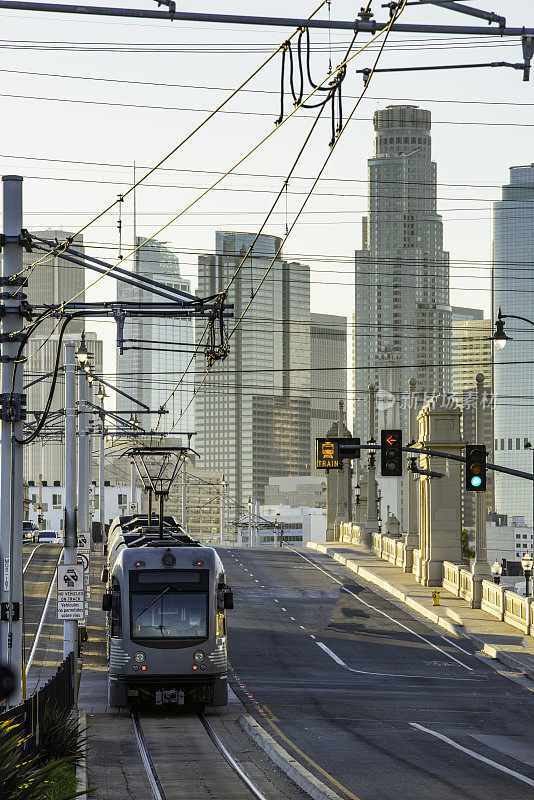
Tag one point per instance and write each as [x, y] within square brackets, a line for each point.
[166, 600]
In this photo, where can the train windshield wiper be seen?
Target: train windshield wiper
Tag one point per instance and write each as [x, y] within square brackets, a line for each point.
[152, 603]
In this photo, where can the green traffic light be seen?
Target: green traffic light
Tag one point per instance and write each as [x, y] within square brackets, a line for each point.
[476, 480]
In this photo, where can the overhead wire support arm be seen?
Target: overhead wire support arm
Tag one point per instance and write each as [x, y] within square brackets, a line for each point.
[490, 16]
[361, 25]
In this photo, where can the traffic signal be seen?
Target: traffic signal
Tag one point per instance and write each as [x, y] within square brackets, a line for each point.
[349, 448]
[475, 467]
[391, 454]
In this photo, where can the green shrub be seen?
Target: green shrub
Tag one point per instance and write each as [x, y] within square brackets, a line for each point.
[31, 779]
[62, 737]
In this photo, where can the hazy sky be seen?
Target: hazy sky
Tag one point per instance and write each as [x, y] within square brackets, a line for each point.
[53, 108]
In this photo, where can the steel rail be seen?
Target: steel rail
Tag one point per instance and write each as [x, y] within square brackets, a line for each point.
[43, 615]
[228, 757]
[27, 564]
[155, 785]
[356, 25]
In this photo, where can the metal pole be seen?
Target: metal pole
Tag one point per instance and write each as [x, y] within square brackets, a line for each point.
[161, 516]
[89, 455]
[223, 487]
[284, 22]
[10, 450]
[250, 521]
[371, 522]
[83, 484]
[184, 496]
[101, 478]
[481, 568]
[412, 486]
[256, 524]
[149, 520]
[70, 626]
[133, 483]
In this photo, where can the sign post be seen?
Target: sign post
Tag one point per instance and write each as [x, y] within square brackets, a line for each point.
[70, 592]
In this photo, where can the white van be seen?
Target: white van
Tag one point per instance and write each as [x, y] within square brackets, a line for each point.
[48, 537]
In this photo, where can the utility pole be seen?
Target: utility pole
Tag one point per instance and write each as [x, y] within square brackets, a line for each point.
[250, 521]
[101, 476]
[90, 419]
[11, 430]
[133, 483]
[70, 626]
[481, 568]
[184, 495]
[40, 506]
[257, 523]
[83, 482]
[371, 522]
[413, 527]
[223, 521]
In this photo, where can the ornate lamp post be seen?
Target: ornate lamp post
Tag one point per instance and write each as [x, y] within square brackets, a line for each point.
[496, 571]
[526, 563]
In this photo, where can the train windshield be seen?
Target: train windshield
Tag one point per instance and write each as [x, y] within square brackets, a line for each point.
[168, 614]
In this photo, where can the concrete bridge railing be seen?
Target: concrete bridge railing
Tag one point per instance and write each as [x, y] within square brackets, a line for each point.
[493, 599]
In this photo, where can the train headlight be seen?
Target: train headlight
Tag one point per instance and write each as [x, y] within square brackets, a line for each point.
[198, 655]
[168, 560]
[139, 656]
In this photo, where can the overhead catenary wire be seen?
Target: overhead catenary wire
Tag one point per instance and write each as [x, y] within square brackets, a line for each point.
[394, 16]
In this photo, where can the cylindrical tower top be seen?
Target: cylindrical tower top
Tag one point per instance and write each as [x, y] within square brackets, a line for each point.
[402, 117]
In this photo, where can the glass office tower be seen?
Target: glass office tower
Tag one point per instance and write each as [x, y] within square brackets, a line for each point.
[513, 273]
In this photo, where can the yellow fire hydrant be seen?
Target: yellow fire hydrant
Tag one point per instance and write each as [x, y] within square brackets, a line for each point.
[435, 597]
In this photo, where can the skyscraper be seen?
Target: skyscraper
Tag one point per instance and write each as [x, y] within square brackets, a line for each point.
[513, 271]
[328, 372]
[402, 312]
[471, 353]
[252, 413]
[157, 349]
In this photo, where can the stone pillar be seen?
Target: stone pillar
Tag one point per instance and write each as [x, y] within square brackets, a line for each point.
[440, 506]
[371, 521]
[338, 483]
[480, 568]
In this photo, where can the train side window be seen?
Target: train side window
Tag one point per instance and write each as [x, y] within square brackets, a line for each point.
[116, 610]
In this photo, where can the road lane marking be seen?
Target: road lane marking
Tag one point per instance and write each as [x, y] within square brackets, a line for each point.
[276, 601]
[293, 618]
[311, 761]
[284, 609]
[457, 646]
[473, 754]
[256, 580]
[27, 564]
[312, 636]
[262, 586]
[341, 663]
[43, 615]
[383, 613]
[302, 626]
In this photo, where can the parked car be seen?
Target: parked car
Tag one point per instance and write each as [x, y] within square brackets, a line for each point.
[48, 537]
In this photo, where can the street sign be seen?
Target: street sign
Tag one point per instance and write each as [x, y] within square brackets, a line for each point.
[69, 577]
[70, 609]
[327, 455]
[83, 541]
[83, 558]
[70, 593]
[5, 574]
[391, 453]
[331, 452]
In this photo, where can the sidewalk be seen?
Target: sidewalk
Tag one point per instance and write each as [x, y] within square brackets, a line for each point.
[495, 639]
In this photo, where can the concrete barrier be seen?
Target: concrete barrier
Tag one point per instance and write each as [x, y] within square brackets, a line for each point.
[493, 599]
[451, 577]
[466, 585]
[517, 610]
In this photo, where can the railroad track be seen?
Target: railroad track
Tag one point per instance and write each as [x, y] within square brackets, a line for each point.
[166, 744]
[39, 578]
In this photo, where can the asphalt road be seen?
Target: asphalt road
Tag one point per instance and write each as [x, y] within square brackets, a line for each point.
[38, 573]
[379, 705]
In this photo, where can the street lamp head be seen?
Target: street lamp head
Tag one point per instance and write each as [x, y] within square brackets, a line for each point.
[527, 562]
[499, 337]
[358, 490]
[82, 353]
[90, 379]
[101, 394]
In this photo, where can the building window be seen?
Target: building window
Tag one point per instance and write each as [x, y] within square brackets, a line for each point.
[509, 444]
[97, 502]
[56, 501]
[518, 444]
[122, 500]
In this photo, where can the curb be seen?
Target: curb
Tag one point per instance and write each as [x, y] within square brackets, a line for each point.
[292, 768]
[81, 767]
[452, 623]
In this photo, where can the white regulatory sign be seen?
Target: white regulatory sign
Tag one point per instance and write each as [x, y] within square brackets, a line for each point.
[69, 609]
[83, 541]
[69, 576]
[5, 574]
